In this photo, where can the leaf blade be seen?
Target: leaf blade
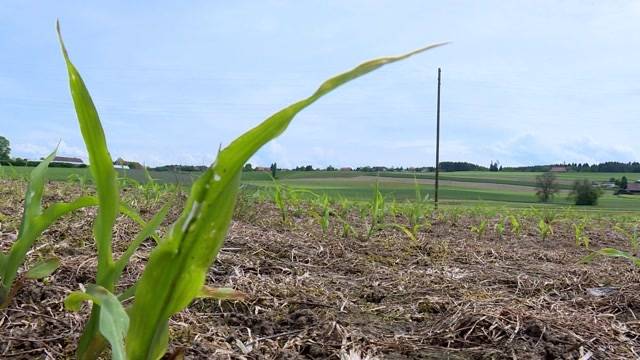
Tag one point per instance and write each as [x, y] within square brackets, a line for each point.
[43, 269]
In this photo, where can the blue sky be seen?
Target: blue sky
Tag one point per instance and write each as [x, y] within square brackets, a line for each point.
[523, 82]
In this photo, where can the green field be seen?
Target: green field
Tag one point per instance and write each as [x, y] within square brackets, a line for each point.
[512, 189]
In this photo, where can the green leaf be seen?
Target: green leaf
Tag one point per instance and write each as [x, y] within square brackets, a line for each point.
[114, 320]
[74, 300]
[101, 168]
[221, 293]
[147, 231]
[43, 269]
[196, 237]
[612, 253]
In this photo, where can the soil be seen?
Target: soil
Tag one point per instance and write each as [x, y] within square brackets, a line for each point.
[447, 295]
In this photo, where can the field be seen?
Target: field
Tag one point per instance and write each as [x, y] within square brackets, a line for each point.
[421, 284]
[311, 265]
[507, 189]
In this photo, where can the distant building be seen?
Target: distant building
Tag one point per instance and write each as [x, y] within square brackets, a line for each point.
[261, 168]
[632, 189]
[346, 169]
[67, 160]
[558, 169]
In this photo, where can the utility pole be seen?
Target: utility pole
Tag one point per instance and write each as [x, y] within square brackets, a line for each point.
[438, 141]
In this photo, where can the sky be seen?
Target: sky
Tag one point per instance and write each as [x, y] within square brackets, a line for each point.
[524, 82]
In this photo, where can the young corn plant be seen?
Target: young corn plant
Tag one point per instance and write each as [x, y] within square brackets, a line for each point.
[376, 211]
[544, 229]
[35, 221]
[325, 213]
[579, 234]
[480, 229]
[280, 196]
[176, 270]
[499, 229]
[633, 236]
[514, 224]
[417, 218]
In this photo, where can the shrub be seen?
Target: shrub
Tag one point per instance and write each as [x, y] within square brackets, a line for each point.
[584, 193]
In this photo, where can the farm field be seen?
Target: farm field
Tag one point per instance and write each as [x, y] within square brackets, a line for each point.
[509, 189]
[460, 287]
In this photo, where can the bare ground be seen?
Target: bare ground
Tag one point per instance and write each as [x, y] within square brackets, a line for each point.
[448, 295]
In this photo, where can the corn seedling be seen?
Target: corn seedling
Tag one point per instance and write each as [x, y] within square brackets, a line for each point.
[544, 229]
[176, 270]
[515, 225]
[499, 229]
[579, 235]
[480, 229]
[280, 199]
[376, 211]
[35, 220]
[417, 216]
[633, 236]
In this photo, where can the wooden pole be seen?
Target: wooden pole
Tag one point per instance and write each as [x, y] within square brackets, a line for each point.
[438, 140]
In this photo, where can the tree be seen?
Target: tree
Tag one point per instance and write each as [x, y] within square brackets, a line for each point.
[331, 168]
[247, 167]
[546, 186]
[5, 148]
[274, 169]
[624, 182]
[584, 193]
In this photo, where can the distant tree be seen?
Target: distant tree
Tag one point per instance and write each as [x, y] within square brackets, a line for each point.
[274, 169]
[5, 148]
[247, 167]
[584, 193]
[494, 166]
[624, 182]
[331, 168]
[308, 168]
[546, 186]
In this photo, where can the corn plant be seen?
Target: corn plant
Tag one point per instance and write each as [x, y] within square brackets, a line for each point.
[80, 181]
[499, 229]
[176, 270]
[480, 229]
[280, 195]
[633, 236]
[544, 229]
[35, 220]
[376, 211]
[417, 216]
[514, 225]
[579, 234]
[325, 213]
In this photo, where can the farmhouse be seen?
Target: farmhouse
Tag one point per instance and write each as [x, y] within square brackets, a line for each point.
[261, 168]
[346, 169]
[632, 189]
[67, 160]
